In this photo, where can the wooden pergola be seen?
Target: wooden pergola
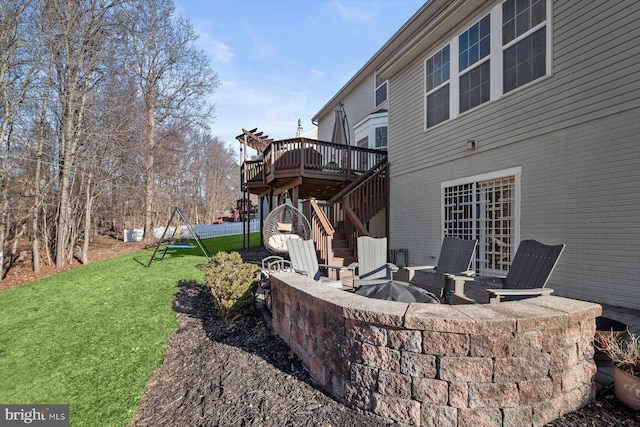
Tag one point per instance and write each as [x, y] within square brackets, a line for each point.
[253, 139]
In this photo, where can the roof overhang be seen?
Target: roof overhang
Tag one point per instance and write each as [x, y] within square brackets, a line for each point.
[430, 9]
[429, 26]
[438, 29]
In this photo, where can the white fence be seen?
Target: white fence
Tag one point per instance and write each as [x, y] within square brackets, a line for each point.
[204, 231]
[224, 229]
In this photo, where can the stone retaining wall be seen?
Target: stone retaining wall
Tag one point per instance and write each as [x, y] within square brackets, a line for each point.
[518, 363]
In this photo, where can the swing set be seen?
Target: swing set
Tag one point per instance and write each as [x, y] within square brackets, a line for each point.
[177, 240]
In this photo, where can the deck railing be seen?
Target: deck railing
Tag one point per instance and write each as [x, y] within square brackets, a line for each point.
[307, 154]
[252, 171]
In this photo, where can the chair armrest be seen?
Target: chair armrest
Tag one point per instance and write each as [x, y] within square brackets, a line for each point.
[496, 294]
[412, 270]
[279, 266]
[303, 272]
[460, 278]
[352, 266]
[270, 259]
[337, 268]
[392, 269]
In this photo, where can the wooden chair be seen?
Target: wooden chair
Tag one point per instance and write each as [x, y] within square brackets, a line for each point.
[453, 268]
[372, 261]
[528, 274]
[304, 260]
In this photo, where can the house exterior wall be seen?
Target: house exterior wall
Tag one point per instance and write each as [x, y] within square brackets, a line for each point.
[575, 135]
[358, 104]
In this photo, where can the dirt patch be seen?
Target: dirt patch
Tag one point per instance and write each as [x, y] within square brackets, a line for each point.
[101, 247]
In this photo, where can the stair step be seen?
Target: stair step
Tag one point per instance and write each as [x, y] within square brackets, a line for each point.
[336, 260]
[340, 244]
[342, 252]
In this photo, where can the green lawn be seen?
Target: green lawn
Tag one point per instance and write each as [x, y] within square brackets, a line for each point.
[92, 336]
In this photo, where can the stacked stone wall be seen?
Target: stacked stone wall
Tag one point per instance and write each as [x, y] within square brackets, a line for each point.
[509, 364]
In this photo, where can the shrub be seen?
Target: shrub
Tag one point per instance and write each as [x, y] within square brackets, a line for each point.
[625, 354]
[233, 284]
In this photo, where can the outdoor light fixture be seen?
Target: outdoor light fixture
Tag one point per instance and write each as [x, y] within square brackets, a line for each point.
[472, 144]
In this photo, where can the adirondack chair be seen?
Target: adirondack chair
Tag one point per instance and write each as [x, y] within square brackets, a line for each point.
[304, 260]
[271, 264]
[372, 262]
[453, 269]
[529, 272]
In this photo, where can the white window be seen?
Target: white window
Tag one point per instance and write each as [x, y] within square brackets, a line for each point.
[524, 42]
[474, 65]
[381, 137]
[381, 90]
[505, 49]
[371, 132]
[437, 74]
[485, 208]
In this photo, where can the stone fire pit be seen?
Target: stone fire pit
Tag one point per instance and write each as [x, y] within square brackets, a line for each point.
[508, 364]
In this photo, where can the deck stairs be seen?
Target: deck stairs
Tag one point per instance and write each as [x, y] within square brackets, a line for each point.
[350, 212]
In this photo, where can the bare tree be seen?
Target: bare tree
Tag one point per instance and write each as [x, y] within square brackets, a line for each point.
[77, 36]
[90, 91]
[17, 69]
[221, 176]
[174, 77]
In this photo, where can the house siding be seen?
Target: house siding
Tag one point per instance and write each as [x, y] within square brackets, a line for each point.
[358, 104]
[576, 135]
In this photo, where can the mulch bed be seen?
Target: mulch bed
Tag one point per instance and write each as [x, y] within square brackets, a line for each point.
[242, 374]
[234, 374]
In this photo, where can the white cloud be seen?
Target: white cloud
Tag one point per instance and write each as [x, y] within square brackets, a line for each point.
[215, 49]
[221, 51]
[273, 108]
[353, 14]
[261, 46]
[316, 75]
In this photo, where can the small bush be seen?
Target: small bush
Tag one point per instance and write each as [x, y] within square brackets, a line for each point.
[233, 284]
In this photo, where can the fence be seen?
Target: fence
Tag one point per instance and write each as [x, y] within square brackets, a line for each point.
[205, 231]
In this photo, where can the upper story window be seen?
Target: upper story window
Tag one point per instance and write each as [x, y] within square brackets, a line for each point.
[371, 132]
[381, 90]
[506, 49]
[381, 137]
[474, 64]
[438, 87]
[524, 42]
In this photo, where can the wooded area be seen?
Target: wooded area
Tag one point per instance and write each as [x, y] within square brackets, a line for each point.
[104, 112]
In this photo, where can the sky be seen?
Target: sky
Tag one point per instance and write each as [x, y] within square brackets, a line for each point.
[282, 60]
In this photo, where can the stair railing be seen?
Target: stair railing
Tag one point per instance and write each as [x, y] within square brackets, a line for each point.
[365, 197]
[321, 229]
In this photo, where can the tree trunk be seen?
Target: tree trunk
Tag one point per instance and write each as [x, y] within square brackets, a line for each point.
[87, 220]
[37, 203]
[149, 172]
[64, 207]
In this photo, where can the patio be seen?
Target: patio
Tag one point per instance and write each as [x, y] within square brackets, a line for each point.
[476, 291]
[527, 362]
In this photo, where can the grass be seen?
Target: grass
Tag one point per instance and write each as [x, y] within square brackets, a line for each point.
[92, 336]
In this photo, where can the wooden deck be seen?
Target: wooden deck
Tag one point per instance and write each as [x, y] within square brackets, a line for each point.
[318, 169]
